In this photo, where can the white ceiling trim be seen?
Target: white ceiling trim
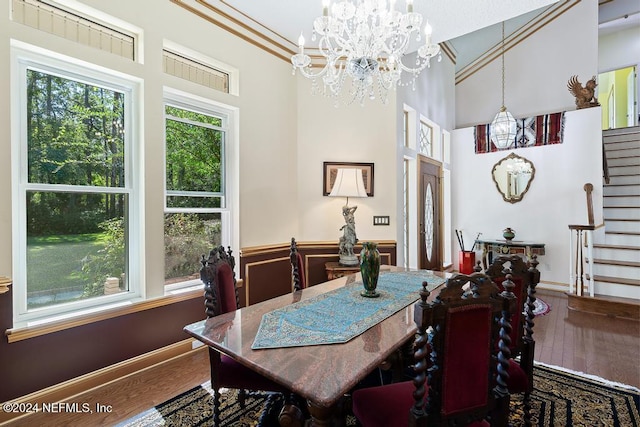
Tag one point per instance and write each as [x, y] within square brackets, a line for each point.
[232, 20]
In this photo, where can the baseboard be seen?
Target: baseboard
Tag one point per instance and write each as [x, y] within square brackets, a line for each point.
[553, 286]
[605, 306]
[68, 389]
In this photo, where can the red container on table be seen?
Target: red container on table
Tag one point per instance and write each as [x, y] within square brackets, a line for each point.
[467, 261]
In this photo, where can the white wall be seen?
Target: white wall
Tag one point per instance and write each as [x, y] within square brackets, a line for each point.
[619, 50]
[555, 198]
[343, 134]
[434, 94]
[536, 71]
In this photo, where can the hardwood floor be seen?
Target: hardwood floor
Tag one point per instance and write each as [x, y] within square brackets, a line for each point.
[131, 395]
[593, 344]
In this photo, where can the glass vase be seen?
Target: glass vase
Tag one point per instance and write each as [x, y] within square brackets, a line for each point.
[370, 269]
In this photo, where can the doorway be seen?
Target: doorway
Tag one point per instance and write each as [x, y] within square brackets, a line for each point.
[617, 91]
[429, 214]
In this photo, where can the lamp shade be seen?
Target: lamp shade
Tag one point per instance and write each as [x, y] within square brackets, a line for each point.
[348, 183]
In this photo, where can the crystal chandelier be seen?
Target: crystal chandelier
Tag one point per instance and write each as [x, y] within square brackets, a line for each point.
[503, 127]
[365, 40]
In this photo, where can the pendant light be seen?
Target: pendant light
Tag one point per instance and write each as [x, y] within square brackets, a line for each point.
[503, 127]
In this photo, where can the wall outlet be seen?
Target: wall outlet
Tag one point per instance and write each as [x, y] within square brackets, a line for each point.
[380, 220]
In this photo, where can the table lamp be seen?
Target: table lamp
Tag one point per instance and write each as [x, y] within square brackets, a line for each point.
[348, 183]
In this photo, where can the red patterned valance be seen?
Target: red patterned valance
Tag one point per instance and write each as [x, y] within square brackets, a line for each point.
[533, 131]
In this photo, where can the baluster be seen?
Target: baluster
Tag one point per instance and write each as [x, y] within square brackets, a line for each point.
[581, 263]
[591, 262]
[570, 260]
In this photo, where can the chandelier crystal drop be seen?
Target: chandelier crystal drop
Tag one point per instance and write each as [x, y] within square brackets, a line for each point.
[365, 40]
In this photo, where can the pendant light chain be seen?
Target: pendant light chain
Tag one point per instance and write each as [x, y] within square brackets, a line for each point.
[503, 128]
[503, 64]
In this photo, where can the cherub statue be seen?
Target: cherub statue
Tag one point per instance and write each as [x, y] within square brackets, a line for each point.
[349, 239]
[585, 96]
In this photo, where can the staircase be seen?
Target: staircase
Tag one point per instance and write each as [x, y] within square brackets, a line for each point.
[616, 263]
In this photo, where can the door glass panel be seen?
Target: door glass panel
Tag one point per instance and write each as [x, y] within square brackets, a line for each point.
[428, 221]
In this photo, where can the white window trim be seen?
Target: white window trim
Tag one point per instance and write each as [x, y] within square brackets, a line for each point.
[23, 56]
[230, 212]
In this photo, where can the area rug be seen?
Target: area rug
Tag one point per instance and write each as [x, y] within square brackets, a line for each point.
[560, 398]
[540, 308]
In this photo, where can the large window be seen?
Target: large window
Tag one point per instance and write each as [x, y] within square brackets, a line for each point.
[196, 212]
[74, 193]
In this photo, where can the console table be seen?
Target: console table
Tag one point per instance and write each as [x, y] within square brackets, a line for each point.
[335, 270]
[508, 247]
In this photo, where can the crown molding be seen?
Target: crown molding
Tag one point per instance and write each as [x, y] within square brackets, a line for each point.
[240, 25]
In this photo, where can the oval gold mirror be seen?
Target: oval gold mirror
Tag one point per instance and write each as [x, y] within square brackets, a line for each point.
[513, 176]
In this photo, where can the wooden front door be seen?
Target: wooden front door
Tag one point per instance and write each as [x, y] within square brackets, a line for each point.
[430, 242]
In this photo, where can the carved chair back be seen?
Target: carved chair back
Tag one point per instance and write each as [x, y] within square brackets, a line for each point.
[525, 277]
[467, 329]
[297, 267]
[221, 296]
[219, 279]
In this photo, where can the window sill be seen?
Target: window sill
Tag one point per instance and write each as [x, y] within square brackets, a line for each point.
[26, 332]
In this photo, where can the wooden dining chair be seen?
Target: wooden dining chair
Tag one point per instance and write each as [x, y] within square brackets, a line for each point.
[297, 267]
[525, 277]
[461, 354]
[221, 296]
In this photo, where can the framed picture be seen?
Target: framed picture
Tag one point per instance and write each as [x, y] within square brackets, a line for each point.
[330, 171]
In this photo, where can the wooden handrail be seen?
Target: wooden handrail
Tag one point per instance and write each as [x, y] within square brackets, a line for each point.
[588, 188]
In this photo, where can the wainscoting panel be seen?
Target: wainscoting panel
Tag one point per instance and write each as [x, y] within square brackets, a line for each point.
[275, 272]
[266, 270]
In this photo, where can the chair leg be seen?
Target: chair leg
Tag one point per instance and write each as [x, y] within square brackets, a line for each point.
[527, 409]
[216, 406]
[242, 397]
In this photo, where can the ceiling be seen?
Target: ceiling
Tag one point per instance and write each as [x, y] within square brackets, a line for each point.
[470, 27]
[290, 17]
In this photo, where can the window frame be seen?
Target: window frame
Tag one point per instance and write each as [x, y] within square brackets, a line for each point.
[24, 57]
[227, 115]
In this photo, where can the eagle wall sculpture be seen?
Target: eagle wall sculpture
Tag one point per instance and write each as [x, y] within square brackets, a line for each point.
[585, 96]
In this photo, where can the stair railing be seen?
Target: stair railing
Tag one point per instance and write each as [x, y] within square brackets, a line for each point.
[584, 234]
[605, 165]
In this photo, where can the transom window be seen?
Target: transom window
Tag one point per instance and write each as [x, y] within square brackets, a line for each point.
[426, 139]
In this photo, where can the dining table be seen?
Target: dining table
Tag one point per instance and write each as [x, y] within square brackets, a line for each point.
[321, 373]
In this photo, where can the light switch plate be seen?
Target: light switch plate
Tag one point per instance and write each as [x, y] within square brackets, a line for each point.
[380, 220]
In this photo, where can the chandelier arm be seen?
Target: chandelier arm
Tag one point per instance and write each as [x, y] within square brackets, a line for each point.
[384, 47]
[306, 72]
[423, 64]
[327, 49]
